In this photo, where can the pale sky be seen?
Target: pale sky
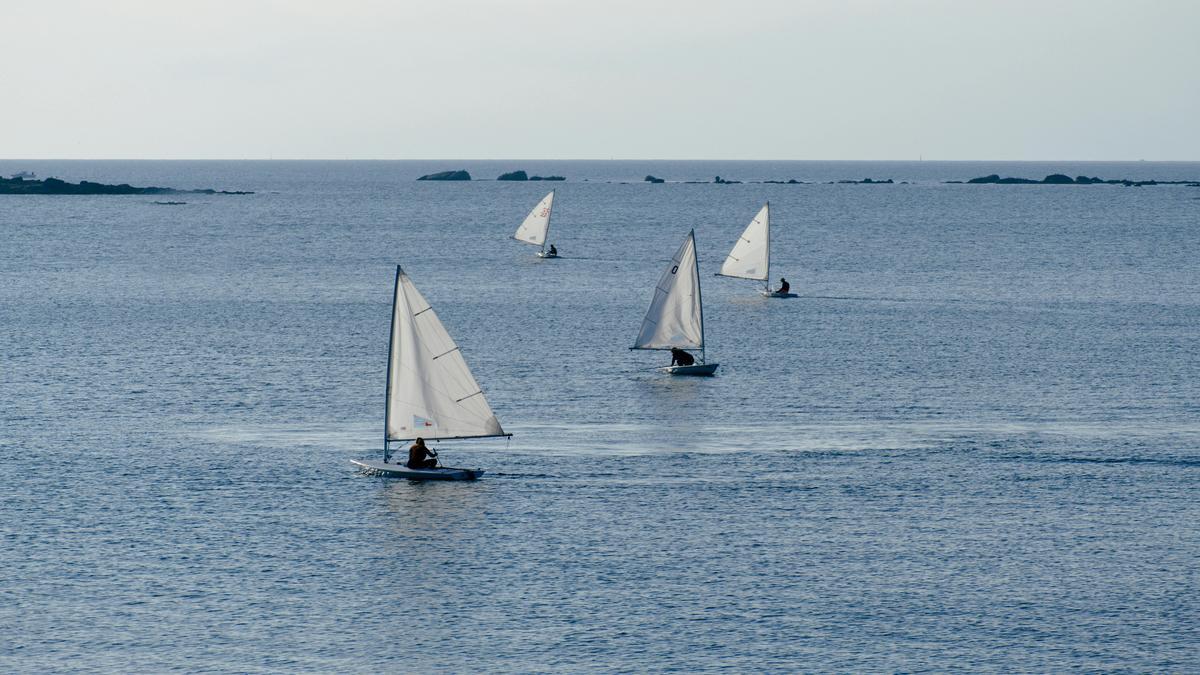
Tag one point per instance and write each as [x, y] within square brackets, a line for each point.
[529, 79]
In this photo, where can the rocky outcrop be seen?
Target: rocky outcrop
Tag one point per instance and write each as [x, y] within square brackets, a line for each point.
[521, 175]
[865, 181]
[722, 181]
[55, 186]
[461, 174]
[1063, 179]
[653, 179]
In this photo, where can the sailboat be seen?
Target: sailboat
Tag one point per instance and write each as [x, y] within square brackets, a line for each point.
[676, 314]
[537, 225]
[751, 254]
[431, 393]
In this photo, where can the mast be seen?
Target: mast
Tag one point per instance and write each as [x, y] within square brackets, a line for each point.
[699, 297]
[387, 392]
[549, 215]
[768, 281]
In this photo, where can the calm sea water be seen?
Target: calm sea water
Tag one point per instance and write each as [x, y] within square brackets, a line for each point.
[972, 443]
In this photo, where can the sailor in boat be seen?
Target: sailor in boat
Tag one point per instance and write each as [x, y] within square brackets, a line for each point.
[553, 251]
[681, 358]
[418, 454]
[783, 286]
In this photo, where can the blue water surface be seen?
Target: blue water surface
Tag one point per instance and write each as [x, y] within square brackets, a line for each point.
[972, 443]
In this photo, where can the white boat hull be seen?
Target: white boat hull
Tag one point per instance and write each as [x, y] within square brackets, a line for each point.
[379, 468]
[777, 294]
[546, 254]
[701, 369]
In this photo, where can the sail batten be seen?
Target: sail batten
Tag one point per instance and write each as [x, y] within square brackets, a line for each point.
[751, 254]
[674, 318]
[537, 224]
[431, 392]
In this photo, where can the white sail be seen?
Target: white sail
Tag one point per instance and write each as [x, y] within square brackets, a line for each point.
[675, 318]
[537, 223]
[751, 255]
[430, 391]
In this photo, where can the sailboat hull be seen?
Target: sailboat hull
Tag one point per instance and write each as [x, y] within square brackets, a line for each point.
[700, 369]
[777, 294]
[378, 468]
[546, 254]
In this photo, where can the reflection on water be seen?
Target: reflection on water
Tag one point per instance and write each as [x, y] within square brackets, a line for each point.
[430, 510]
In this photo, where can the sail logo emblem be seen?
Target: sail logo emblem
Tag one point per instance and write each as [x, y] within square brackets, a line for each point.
[422, 423]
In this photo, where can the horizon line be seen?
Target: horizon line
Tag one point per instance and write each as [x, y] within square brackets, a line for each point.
[573, 159]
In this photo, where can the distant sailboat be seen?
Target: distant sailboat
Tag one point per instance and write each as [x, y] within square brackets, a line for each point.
[751, 255]
[431, 393]
[537, 226]
[676, 314]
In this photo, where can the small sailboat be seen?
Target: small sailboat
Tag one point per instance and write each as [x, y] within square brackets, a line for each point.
[537, 225]
[431, 393]
[676, 315]
[751, 255]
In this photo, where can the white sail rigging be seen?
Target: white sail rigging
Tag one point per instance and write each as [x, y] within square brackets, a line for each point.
[675, 317]
[430, 391]
[751, 254]
[537, 224]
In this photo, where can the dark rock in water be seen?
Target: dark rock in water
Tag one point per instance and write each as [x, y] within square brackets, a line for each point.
[1062, 179]
[994, 178]
[990, 178]
[461, 174]
[170, 203]
[1058, 179]
[55, 186]
[866, 181]
[653, 179]
[721, 181]
[210, 191]
[515, 175]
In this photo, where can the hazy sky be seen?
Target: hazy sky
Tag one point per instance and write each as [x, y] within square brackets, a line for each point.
[731, 79]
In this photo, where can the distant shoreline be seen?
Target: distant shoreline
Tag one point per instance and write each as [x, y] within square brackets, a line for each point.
[20, 185]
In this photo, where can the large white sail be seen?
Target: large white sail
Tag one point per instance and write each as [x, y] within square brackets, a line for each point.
[537, 223]
[430, 391]
[675, 318]
[751, 255]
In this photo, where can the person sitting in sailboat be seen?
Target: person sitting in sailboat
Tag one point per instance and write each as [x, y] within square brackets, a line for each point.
[553, 251]
[783, 285]
[681, 358]
[417, 456]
